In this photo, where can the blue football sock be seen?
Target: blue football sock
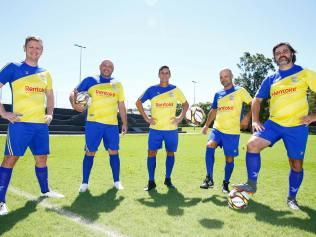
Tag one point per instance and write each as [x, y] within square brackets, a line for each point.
[295, 180]
[253, 162]
[209, 161]
[169, 166]
[115, 166]
[5, 176]
[229, 167]
[151, 166]
[42, 177]
[86, 168]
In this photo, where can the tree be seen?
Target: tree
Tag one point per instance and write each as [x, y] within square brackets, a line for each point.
[254, 69]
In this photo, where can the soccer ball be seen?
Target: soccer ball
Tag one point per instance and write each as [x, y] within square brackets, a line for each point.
[195, 115]
[83, 98]
[238, 200]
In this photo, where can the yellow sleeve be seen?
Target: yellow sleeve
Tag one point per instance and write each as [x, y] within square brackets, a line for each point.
[49, 82]
[246, 96]
[180, 96]
[121, 93]
[311, 79]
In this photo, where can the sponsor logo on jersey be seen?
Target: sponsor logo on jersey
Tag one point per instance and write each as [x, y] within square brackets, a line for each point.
[225, 108]
[164, 104]
[105, 93]
[284, 91]
[33, 89]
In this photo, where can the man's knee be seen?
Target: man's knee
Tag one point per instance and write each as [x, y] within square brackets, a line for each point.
[256, 144]
[229, 159]
[170, 153]
[152, 153]
[9, 161]
[112, 152]
[211, 144]
[41, 161]
[296, 165]
[90, 153]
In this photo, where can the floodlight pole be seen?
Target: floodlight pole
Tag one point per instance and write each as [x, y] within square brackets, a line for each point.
[81, 47]
[194, 82]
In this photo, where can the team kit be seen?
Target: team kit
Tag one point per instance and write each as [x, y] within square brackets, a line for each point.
[103, 96]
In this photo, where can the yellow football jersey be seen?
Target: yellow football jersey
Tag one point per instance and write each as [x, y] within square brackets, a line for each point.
[29, 86]
[287, 91]
[163, 105]
[229, 104]
[105, 96]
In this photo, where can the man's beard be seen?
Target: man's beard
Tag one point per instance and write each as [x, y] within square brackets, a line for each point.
[284, 60]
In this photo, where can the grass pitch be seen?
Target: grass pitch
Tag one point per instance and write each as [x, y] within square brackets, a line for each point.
[186, 211]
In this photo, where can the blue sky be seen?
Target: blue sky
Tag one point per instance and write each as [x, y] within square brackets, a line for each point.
[195, 38]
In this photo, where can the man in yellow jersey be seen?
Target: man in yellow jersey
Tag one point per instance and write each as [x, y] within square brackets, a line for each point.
[289, 117]
[227, 110]
[107, 96]
[163, 123]
[31, 86]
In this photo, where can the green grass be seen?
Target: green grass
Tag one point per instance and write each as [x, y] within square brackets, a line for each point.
[187, 211]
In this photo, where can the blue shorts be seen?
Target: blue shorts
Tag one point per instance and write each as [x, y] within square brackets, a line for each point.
[294, 138]
[156, 137]
[21, 135]
[96, 131]
[229, 142]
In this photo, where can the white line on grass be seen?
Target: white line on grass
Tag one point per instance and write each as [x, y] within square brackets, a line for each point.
[68, 214]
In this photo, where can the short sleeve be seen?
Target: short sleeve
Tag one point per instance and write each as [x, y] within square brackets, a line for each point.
[264, 90]
[49, 82]
[246, 96]
[180, 96]
[85, 84]
[6, 73]
[145, 96]
[311, 79]
[121, 93]
[214, 103]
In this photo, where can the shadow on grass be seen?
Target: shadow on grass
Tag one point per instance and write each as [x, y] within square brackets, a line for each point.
[266, 214]
[9, 221]
[217, 200]
[173, 200]
[211, 223]
[90, 207]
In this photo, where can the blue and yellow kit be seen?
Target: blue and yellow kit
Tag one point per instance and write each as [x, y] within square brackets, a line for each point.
[163, 105]
[229, 104]
[105, 94]
[287, 91]
[28, 85]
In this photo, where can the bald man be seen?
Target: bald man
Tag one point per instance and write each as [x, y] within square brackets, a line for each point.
[107, 96]
[226, 110]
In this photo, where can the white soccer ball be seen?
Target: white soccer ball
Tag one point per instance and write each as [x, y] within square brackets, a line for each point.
[195, 115]
[83, 98]
[238, 200]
